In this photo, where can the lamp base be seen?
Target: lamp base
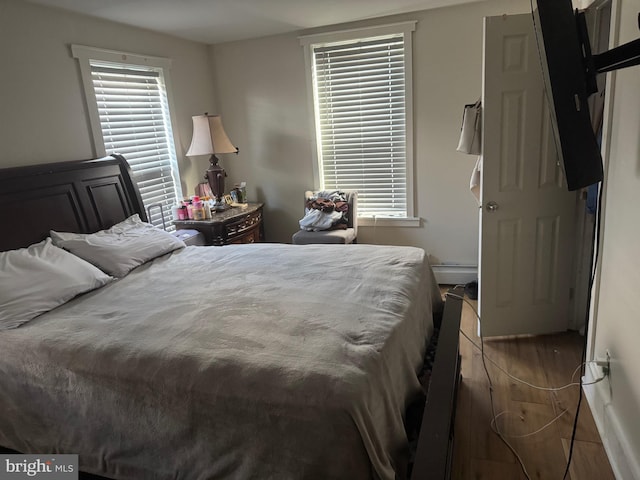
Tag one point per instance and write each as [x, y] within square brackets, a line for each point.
[220, 207]
[215, 177]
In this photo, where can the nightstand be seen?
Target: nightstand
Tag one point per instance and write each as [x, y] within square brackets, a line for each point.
[239, 224]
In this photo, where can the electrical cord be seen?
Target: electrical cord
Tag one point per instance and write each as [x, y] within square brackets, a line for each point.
[547, 425]
[493, 412]
[596, 256]
[494, 422]
[537, 387]
[506, 412]
[491, 402]
[557, 417]
[513, 377]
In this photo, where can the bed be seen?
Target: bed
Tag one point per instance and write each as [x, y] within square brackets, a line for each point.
[243, 361]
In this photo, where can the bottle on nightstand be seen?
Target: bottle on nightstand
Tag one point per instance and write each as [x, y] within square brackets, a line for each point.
[197, 206]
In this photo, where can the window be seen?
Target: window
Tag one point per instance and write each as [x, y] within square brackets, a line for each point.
[130, 114]
[361, 84]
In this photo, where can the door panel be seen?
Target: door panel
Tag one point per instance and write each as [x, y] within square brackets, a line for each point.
[527, 215]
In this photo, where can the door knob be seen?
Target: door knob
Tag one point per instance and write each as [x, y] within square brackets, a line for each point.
[492, 206]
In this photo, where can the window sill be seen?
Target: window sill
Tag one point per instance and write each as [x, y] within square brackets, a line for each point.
[388, 222]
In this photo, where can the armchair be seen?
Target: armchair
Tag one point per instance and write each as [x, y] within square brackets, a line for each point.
[338, 236]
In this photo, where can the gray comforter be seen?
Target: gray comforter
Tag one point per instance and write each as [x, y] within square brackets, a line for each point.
[249, 361]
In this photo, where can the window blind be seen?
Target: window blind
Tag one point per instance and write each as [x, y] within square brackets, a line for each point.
[361, 116]
[135, 122]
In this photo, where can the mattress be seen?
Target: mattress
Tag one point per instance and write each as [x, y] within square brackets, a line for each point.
[242, 361]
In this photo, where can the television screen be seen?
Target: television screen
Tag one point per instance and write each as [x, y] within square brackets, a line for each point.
[564, 66]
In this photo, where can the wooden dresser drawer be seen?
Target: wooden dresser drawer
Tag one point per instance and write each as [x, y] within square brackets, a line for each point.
[242, 227]
[234, 225]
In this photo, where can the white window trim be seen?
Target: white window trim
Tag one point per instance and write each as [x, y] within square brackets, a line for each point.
[388, 221]
[85, 54]
[407, 28]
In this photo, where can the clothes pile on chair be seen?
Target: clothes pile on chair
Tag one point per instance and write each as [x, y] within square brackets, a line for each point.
[325, 211]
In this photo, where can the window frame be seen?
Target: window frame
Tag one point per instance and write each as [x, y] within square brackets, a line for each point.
[308, 43]
[85, 55]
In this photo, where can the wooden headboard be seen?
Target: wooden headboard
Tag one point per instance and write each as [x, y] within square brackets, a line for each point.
[79, 196]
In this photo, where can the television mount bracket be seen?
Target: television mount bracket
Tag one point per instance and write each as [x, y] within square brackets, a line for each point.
[625, 55]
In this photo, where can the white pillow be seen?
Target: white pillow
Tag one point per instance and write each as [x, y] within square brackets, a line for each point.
[37, 279]
[121, 248]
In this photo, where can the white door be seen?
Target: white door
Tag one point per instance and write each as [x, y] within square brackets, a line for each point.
[527, 215]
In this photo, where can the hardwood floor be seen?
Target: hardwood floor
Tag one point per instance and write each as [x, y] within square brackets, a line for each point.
[543, 360]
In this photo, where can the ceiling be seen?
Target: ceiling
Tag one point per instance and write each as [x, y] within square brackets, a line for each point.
[215, 21]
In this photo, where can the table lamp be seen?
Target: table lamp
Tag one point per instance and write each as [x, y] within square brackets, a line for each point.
[210, 138]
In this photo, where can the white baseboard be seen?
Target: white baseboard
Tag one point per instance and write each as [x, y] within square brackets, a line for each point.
[451, 274]
[624, 462]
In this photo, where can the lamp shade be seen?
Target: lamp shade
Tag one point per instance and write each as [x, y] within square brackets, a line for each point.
[209, 136]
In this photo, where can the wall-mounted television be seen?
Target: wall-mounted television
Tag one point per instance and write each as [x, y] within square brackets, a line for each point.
[569, 71]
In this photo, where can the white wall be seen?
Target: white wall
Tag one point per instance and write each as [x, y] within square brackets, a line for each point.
[263, 98]
[259, 87]
[43, 113]
[616, 401]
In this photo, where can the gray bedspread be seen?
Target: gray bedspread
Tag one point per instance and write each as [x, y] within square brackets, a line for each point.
[249, 361]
